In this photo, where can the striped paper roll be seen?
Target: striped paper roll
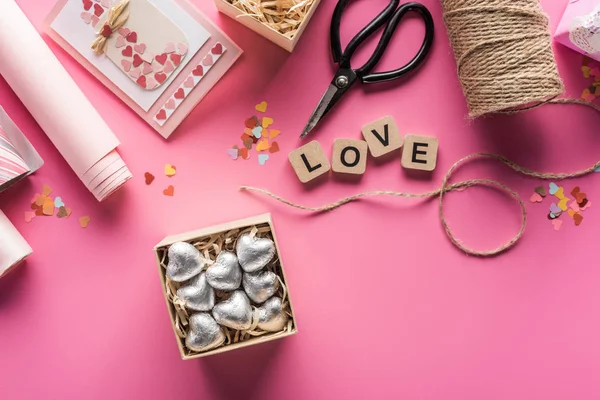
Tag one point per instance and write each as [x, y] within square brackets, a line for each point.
[12, 165]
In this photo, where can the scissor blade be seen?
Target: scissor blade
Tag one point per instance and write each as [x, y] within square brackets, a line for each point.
[327, 101]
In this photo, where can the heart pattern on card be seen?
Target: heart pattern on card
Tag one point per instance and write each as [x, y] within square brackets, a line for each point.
[135, 56]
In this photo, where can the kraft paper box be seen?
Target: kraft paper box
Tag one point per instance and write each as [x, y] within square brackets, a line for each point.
[579, 27]
[262, 29]
[264, 225]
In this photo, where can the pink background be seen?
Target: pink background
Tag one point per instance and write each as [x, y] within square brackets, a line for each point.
[386, 306]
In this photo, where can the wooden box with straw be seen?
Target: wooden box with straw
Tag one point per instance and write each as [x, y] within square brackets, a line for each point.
[280, 21]
[211, 242]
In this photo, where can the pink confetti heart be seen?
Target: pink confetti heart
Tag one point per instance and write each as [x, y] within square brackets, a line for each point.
[148, 57]
[536, 198]
[29, 215]
[135, 73]
[95, 20]
[557, 223]
[588, 205]
[140, 48]
[124, 31]
[157, 67]
[105, 3]
[120, 42]
[170, 47]
[126, 64]
[87, 17]
[169, 67]
[151, 83]
[170, 104]
[189, 82]
[233, 153]
[574, 206]
[146, 68]
[182, 48]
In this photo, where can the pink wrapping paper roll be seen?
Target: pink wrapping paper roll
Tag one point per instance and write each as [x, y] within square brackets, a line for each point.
[58, 105]
[13, 248]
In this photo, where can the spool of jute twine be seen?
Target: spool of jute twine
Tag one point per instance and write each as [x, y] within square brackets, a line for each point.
[505, 64]
[503, 51]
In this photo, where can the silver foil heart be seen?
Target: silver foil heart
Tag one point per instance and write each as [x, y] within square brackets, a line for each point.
[253, 252]
[271, 317]
[235, 312]
[185, 262]
[259, 286]
[204, 333]
[198, 295]
[225, 273]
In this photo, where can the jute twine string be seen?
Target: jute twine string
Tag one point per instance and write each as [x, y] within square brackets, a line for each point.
[450, 187]
[284, 16]
[503, 52]
[210, 247]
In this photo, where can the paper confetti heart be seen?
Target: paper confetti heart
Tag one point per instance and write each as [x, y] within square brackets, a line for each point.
[149, 178]
[257, 132]
[261, 107]
[557, 223]
[273, 133]
[170, 170]
[536, 198]
[48, 207]
[563, 204]
[587, 205]
[541, 191]
[84, 221]
[169, 191]
[244, 153]
[578, 218]
[233, 153]
[262, 158]
[578, 194]
[554, 209]
[552, 188]
[29, 215]
[274, 147]
[574, 206]
[266, 122]
[58, 202]
[262, 145]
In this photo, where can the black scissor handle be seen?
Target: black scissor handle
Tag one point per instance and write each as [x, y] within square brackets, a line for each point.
[343, 59]
[364, 72]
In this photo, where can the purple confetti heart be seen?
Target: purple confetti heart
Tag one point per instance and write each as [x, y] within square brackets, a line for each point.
[554, 209]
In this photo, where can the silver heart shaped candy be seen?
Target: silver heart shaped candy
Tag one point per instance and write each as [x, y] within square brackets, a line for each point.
[198, 295]
[261, 285]
[253, 252]
[235, 312]
[204, 333]
[271, 317]
[225, 273]
[185, 262]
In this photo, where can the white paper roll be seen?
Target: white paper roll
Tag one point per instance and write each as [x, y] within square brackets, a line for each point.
[13, 247]
[58, 105]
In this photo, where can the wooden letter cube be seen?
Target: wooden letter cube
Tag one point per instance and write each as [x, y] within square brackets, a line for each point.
[420, 152]
[349, 156]
[382, 136]
[309, 161]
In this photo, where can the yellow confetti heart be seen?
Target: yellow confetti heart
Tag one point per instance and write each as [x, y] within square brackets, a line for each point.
[571, 213]
[563, 204]
[273, 133]
[84, 221]
[261, 107]
[266, 122]
[170, 170]
[262, 145]
[560, 193]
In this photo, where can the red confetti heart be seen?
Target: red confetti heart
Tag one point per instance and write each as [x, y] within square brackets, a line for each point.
[127, 51]
[176, 58]
[132, 37]
[137, 60]
[161, 58]
[170, 191]
[149, 178]
[179, 94]
[106, 31]
[162, 115]
[198, 71]
[87, 4]
[160, 77]
[274, 147]
[98, 10]
[142, 81]
[217, 49]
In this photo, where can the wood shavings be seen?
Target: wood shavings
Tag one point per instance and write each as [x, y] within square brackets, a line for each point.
[283, 16]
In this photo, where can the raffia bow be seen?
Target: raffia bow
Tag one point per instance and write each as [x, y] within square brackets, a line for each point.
[117, 16]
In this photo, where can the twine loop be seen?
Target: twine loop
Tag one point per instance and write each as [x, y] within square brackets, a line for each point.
[117, 16]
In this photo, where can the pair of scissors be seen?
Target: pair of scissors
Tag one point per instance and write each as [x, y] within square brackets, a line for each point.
[346, 76]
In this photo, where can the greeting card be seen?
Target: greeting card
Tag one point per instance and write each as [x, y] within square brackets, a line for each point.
[161, 57]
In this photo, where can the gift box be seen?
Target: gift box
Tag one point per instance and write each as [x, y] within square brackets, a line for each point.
[579, 27]
[282, 23]
[211, 242]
